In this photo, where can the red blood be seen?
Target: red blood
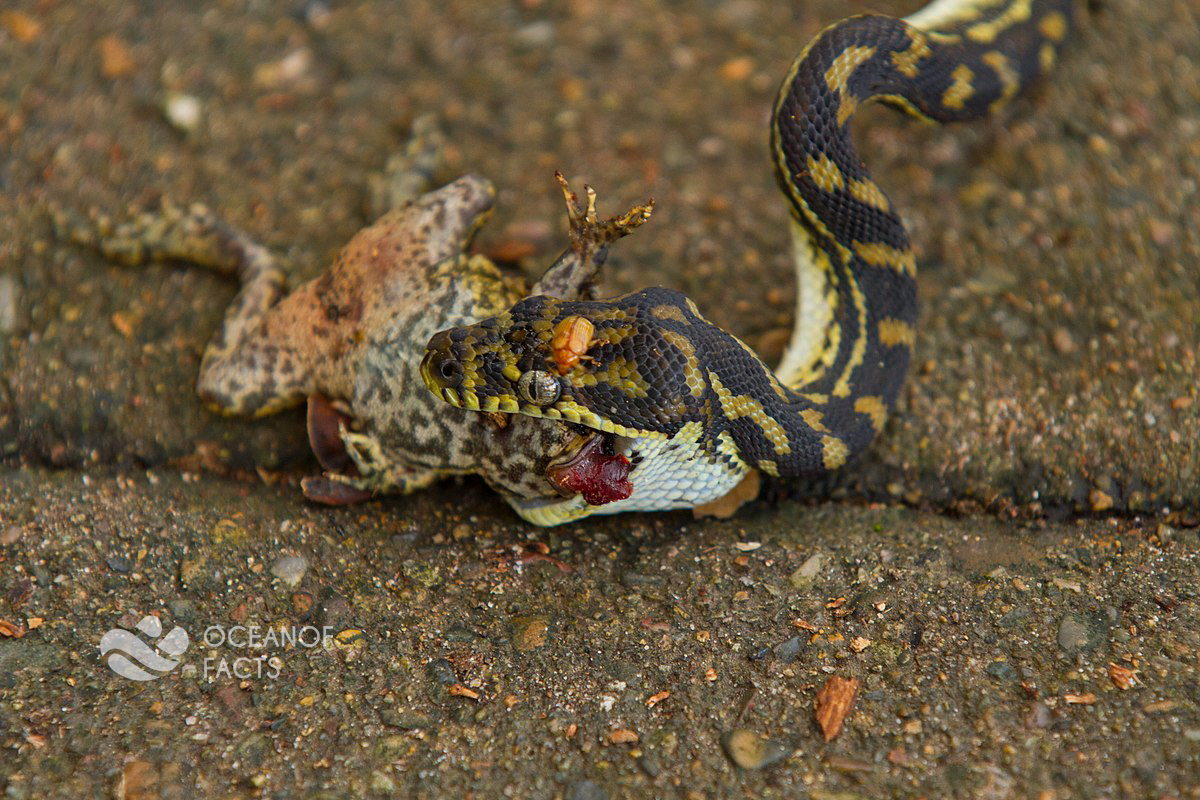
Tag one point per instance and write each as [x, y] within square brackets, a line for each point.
[600, 478]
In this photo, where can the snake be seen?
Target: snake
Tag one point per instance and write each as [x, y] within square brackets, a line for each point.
[673, 411]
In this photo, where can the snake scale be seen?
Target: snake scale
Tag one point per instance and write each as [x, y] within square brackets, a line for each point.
[677, 410]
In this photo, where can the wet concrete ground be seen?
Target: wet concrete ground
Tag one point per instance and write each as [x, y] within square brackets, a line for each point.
[1029, 518]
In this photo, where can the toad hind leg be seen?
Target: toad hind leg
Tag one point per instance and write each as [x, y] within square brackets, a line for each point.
[243, 371]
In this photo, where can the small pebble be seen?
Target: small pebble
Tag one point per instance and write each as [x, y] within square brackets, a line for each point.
[536, 34]
[118, 564]
[290, 69]
[382, 783]
[183, 111]
[529, 633]
[1064, 343]
[787, 650]
[1072, 634]
[8, 304]
[1100, 501]
[749, 750]
[290, 570]
[586, 790]
[805, 573]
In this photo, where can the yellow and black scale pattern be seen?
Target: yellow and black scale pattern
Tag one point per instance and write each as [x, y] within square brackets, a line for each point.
[656, 369]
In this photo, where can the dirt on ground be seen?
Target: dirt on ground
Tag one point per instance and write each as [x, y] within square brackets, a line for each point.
[1010, 576]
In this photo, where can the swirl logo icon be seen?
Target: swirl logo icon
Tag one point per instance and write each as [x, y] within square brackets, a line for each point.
[130, 657]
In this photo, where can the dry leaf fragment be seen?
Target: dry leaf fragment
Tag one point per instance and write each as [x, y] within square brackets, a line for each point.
[459, 690]
[1159, 705]
[738, 69]
[725, 506]
[710, 674]
[1122, 677]
[655, 699]
[1085, 699]
[23, 27]
[623, 736]
[858, 644]
[115, 59]
[804, 625]
[124, 323]
[834, 703]
[11, 629]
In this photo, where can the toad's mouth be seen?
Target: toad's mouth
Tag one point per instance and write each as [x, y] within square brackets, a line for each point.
[598, 468]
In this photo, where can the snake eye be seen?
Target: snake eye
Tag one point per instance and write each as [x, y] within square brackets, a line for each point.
[538, 387]
[451, 371]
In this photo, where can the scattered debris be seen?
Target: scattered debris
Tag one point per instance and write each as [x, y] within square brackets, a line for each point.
[11, 629]
[622, 736]
[458, 690]
[657, 698]
[834, 703]
[1122, 677]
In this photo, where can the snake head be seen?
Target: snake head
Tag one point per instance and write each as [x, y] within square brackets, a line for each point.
[497, 365]
[624, 367]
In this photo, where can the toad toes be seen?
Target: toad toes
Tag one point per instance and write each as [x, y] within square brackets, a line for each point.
[350, 342]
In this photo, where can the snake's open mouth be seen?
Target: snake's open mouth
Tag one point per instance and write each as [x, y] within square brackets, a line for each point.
[598, 469]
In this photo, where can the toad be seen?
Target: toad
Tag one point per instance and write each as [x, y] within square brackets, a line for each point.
[349, 343]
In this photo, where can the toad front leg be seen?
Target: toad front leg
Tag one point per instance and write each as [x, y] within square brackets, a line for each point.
[356, 465]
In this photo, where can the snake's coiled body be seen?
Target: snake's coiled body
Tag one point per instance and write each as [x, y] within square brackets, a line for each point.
[691, 406]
